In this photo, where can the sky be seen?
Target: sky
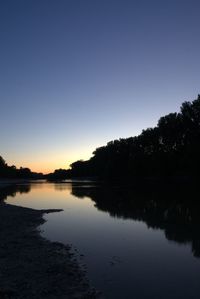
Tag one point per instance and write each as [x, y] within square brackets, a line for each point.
[75, 74]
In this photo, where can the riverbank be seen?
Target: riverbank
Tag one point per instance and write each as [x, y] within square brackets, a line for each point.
[32, 267]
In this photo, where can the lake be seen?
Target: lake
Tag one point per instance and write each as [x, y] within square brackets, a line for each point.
[135, 243]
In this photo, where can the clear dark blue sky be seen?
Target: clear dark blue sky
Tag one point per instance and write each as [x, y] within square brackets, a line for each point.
[75, 74]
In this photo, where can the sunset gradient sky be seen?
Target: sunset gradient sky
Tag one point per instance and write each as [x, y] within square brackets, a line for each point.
[76, 74]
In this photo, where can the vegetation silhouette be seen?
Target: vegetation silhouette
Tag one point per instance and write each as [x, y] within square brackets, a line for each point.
[58, 175]
[169, 149]
[11, 172]
[173, 208]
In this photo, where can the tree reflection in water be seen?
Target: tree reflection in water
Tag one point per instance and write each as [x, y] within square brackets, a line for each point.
[173, 208]
[12, 190]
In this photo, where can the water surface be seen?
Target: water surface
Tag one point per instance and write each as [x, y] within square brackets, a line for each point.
[135, 244]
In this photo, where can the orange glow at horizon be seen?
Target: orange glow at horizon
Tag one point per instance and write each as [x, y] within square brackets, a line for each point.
[49, 161]
[47, 168]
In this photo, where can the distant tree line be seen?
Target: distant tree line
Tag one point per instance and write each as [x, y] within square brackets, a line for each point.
[13, 172]
[58, 174]
[172, 148]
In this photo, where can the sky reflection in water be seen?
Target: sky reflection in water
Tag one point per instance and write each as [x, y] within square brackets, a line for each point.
[113, 228]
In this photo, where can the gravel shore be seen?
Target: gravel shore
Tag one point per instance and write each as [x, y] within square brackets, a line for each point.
[32, 267]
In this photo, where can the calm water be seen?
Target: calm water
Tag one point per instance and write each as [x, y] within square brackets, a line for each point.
[135, 245]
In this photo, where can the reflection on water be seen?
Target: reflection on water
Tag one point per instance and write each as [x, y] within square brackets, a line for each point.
[175, 211]
[125, 234]
[13, 190]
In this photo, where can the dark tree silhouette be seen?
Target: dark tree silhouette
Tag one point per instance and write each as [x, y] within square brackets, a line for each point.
[2, 163]
[170, 149]
[57, 175]
[8, 172]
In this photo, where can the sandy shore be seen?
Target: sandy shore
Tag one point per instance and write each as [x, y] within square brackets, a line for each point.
[32, 267]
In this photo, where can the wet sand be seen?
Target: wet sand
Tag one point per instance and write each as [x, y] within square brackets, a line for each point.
[32, 267]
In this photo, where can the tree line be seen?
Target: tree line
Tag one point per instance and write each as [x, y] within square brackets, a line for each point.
[12, 172]
[170, 149]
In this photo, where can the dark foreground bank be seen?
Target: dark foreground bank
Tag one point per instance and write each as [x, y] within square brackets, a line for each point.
[32, 267]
